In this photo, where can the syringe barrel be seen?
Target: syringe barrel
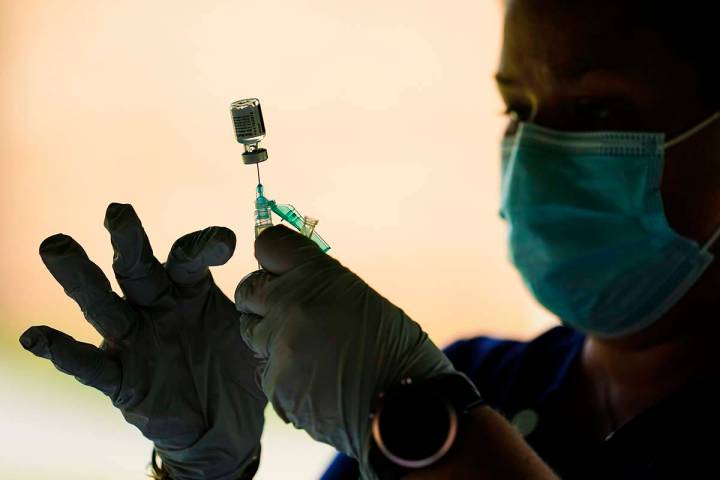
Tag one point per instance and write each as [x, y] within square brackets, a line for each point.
[263, 220]
[259, 229]
[263, 214]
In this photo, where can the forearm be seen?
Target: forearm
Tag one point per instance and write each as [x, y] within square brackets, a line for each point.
[487, 448]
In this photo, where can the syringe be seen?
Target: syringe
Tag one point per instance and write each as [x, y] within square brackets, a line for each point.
[263, 218]
[250, 130]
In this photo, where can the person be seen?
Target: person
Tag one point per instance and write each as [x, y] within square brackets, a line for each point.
[628, 386]
[611, 191]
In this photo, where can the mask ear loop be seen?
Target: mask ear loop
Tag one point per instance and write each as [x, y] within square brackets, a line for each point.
[714, 238]
[692, 131]
[684, 136]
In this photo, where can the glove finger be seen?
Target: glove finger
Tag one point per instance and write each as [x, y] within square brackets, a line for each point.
[192, 254]
[88, 364]
[251, 293]
[84, 282]
[280, 249]
[141, 277]
[254, 338]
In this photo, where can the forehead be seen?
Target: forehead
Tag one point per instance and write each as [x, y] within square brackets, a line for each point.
[555, 39]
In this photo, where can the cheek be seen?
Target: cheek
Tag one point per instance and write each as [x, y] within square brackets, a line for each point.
[694, 215]
[693, 165]
[691, 187]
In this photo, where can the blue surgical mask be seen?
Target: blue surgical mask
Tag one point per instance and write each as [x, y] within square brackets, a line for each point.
[587, 228]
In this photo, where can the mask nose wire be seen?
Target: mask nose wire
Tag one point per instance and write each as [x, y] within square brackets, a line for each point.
[692, 131]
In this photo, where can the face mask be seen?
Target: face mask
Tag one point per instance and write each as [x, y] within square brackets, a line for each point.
[587, 228]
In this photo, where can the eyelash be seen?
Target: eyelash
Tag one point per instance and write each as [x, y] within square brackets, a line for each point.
[592, 108]
[513, 113]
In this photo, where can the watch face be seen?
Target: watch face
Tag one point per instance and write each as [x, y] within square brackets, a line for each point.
[414, 429]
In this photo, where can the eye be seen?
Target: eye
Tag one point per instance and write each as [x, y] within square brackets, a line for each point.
[599, 113]
[592, 108]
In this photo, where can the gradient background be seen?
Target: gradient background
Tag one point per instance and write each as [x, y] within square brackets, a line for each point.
[382, 121]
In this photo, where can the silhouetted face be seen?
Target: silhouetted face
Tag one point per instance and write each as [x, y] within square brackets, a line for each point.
[582, 66]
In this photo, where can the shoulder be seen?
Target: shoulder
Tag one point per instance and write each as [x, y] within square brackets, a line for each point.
[508, 371]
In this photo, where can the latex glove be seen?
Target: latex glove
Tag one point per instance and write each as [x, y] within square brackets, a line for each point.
[331, 342]
[172, 359]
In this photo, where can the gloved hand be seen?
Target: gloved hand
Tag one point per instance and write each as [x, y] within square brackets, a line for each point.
[172, 359]
[331, 342]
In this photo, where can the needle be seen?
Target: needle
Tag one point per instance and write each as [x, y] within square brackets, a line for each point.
[258, 171]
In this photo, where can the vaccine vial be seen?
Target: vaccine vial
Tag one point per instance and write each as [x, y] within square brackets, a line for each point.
[249, 129]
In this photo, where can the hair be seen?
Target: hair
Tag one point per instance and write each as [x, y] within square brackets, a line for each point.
[690, 30]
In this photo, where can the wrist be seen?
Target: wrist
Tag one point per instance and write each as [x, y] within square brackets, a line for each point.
[159, 470]
[415, 424]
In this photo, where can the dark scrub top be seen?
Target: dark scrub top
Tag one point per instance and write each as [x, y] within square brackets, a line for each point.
[676, 438]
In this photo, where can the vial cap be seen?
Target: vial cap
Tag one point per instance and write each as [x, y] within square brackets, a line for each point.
[257, 156]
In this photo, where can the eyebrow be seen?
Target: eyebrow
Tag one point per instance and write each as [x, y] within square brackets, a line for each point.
[566, 73]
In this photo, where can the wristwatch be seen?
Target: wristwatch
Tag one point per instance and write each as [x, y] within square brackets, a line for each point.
[415, 424]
